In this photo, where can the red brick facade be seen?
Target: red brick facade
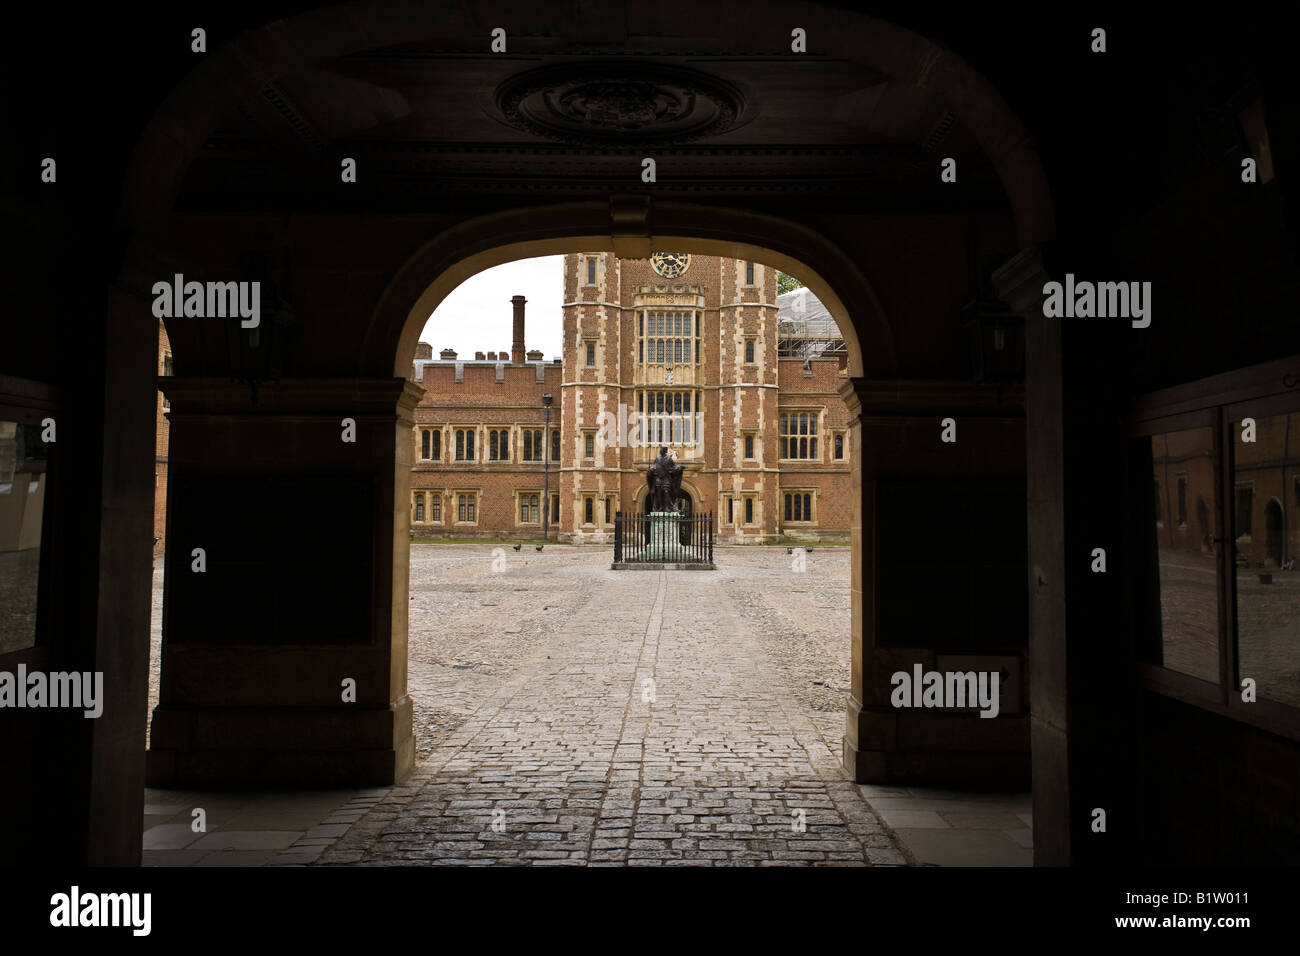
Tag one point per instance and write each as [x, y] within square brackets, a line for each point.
[764, 441]
[160, 459]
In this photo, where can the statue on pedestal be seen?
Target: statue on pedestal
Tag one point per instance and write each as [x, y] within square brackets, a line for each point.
[664, 480]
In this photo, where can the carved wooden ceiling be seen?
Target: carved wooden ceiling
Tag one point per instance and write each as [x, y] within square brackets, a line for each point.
[433, 127]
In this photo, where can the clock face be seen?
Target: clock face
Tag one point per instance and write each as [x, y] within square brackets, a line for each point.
[670, 265]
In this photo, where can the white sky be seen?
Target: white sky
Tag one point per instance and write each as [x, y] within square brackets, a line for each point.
[478, 317]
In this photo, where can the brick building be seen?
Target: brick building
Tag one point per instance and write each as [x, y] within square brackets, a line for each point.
[161, 432]
[690, 352]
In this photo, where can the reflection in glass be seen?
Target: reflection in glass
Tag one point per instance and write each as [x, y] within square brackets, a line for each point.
[22, 505]
[1185, 489]
[1265, 536]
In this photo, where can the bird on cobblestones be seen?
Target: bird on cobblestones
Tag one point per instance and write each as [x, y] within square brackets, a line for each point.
[519, 545]
[789, 550]
[539, 547]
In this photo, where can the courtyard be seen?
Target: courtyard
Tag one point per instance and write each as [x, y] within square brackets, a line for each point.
[568, 714]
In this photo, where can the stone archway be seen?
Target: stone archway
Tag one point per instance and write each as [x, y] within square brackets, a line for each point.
[248, 67]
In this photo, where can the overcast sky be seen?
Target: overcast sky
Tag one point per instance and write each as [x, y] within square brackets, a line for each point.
[478, 317]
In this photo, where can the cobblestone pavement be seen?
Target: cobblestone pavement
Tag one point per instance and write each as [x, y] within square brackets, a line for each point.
[573, 715]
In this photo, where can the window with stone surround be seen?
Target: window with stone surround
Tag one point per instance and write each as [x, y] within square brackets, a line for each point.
[435, 445]
[839, 445]
[466, 507]
[555, 509]
[465, 444]
[499, 444]
[419, 507]
[424, 443]
[609, 509]
[588, 510]
[667, 417]
[533, 449]
[749, 351]
[731, 511]
[589, 445]
[749, 510]
[530, 507]
[799, 506]
[591, 355]
[749, 273]
[799, 435]
[749, 446]
[668, 338]
[435, 507]
[591, 270]
[555, 445]
[166, 370]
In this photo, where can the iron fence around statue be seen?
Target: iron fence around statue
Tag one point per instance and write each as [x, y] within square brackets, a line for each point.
[650, 539]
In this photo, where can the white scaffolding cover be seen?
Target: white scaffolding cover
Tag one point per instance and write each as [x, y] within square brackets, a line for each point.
[806, 329]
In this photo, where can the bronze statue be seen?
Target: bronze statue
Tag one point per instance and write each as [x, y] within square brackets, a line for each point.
[664, 479]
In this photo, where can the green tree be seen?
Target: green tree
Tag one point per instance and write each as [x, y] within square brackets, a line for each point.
[785, 283]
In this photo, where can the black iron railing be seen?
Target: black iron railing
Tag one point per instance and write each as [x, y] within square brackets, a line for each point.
[655, 539]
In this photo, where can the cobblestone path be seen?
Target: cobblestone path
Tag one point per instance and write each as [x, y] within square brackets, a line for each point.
[646, 724]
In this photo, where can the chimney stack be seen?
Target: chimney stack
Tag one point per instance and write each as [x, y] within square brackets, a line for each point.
[447, 354]
[517, 347]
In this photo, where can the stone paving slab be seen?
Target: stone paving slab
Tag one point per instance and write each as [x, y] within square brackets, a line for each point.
[651, 730]
[568, 714]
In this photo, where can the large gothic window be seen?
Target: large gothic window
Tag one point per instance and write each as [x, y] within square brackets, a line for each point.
[668, 338]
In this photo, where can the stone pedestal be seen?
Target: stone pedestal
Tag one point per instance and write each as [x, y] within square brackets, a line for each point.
[665, 542]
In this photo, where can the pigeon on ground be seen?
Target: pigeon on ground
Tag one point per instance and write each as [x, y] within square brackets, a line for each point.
[519, 545]
[539, 547]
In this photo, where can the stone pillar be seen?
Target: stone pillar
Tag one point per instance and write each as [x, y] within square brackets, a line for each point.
[896, 447]
[284, 660]
[1080, 649]
[120, 645]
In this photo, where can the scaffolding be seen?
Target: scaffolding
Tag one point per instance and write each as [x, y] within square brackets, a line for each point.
[805, 328]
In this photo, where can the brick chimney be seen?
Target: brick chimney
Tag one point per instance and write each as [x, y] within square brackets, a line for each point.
[517, 347]
[535, 355]
[447, 355]
[479, 356]
[423, 350]
[492, 356]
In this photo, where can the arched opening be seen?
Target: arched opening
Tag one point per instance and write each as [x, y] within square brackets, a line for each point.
[383, 351]
[454, 379]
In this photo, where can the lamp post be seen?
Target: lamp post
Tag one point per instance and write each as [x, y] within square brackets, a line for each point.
[546, 468]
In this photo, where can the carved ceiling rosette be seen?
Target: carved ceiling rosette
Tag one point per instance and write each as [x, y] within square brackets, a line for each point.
[621, 104]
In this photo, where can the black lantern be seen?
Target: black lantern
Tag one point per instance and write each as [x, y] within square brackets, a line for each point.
[997, 342]
[257, 351]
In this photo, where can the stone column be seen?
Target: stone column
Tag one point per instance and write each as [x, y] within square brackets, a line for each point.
[284, 657]
[895, 439]
[1080, 649]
